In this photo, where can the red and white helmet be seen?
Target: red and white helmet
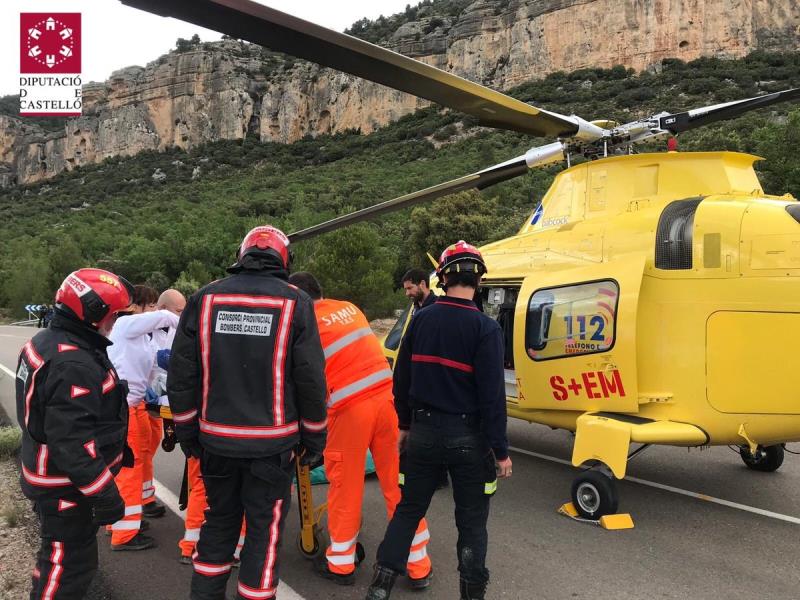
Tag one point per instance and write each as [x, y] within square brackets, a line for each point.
[93, 294]
[266, 238]
[459, 258]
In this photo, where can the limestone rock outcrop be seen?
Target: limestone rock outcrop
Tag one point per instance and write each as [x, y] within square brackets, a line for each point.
[228, 89]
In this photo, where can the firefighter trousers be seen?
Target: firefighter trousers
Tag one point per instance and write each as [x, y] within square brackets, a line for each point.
[438, 439]
[130, 480]
[195, 512]
[260, 490]
[67, 558]
[367, 424]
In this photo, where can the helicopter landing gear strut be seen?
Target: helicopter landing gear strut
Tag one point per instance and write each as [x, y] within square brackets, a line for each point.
[765, 459]
[594, 492]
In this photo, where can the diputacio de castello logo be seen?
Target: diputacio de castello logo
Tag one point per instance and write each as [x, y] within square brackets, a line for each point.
[50, 64]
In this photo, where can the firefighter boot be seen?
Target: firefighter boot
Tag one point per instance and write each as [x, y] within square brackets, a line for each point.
[382, 582]
[472, 591]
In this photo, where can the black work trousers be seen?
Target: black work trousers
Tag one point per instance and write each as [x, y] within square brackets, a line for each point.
[258, 489]
[455, 442]
[67, 559]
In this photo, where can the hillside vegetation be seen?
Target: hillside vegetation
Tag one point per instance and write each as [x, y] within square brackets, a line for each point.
[175, 218]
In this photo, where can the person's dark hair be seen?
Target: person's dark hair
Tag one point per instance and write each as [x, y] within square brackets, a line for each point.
[416, 276]
[308, 283]
[144, 295]
[465, 278]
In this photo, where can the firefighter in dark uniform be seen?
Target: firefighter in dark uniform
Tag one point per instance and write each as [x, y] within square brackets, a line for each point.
[450, 399]
[246, 385]
[417, 287]
[73, 414]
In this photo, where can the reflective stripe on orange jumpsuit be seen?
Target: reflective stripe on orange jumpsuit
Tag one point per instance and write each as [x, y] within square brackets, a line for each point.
[361, 415]
[148, 488]
[129, 480]
[136, 483]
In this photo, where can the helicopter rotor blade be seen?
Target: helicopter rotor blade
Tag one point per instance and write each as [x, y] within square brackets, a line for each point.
[510, 169]
[248, 20]
[699, 117]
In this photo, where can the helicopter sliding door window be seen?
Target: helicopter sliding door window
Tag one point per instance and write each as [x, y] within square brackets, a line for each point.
[572, 320]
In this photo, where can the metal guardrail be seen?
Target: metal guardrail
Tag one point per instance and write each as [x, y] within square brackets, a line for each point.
[28, 323]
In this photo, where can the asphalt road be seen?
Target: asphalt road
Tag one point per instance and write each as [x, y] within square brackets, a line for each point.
[681, 547]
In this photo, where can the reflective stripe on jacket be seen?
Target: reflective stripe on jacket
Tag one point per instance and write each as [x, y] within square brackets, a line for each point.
[354, 363]
[246, 369]
[72, 412]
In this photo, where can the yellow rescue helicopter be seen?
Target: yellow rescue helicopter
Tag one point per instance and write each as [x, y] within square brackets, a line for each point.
[649, 299]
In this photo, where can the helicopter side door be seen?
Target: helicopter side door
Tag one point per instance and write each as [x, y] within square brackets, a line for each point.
[575, 338]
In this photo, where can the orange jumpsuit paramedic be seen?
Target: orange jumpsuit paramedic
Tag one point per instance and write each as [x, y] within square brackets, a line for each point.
[361, 416]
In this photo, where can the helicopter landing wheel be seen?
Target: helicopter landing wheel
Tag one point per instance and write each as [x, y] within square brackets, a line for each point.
[766, 458]
[594, 495]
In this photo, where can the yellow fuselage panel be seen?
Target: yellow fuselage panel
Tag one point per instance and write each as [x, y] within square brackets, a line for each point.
[747, 363]
[681, 364]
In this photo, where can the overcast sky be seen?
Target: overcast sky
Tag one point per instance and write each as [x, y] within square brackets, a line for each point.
[116, 36]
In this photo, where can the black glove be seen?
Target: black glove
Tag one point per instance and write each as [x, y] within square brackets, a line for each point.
[310, 459]
[108, 508]
[191, 448]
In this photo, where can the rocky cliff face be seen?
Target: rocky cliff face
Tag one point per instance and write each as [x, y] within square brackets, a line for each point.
[228, 90]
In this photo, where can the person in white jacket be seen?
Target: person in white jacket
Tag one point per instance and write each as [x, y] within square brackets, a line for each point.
[173, 301]
[133, 354]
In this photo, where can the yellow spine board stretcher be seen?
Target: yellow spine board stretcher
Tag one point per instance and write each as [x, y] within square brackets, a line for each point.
[169, 440]
[310, 540]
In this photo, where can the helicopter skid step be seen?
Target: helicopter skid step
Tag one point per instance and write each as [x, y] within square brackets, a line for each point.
[609, 522]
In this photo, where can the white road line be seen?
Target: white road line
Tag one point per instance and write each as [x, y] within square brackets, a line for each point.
[170, 500]
[675, 490]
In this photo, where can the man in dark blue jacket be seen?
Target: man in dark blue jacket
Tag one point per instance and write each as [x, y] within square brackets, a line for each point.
[450, 400]
[416, 285]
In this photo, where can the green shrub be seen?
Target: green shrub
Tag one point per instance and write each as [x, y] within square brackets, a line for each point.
[10, 441]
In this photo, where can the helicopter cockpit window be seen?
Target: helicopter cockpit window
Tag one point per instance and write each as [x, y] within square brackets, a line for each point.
[572, 320]
[396, 334]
